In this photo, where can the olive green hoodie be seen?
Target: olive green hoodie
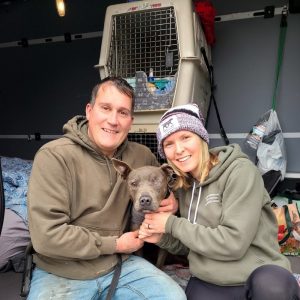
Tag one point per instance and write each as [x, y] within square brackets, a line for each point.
[227, 227]
[77, 204]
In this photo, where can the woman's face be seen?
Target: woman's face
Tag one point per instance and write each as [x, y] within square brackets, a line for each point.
[183, 149]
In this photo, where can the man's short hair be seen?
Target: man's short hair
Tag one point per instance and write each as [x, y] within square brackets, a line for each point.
[119, 83]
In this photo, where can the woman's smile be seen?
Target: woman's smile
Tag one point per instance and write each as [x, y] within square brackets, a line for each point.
[184, 158]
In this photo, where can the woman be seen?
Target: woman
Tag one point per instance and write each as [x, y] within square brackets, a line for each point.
[226, 226]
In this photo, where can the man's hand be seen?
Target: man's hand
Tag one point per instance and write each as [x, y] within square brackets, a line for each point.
[169, 204]
[128, 242]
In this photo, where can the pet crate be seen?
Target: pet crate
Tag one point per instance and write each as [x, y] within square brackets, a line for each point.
[155, 45]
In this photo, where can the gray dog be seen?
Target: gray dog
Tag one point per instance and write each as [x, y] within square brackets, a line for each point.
[147, 187]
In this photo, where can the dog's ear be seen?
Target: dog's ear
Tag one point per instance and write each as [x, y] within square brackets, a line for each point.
[121, 167]
[171, 175]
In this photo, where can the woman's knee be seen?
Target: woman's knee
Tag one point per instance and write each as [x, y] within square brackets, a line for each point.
[272, 282]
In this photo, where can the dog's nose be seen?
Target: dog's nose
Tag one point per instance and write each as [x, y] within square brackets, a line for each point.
[145, 201]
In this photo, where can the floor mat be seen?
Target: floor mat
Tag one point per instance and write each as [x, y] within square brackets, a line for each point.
[179, 273]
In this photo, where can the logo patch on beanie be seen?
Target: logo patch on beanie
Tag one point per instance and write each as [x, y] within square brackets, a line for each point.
[169, 126]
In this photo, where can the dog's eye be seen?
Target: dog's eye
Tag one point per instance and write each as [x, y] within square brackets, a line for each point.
[133, 183]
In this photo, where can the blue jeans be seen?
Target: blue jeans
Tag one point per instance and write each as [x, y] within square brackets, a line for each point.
[139, 279]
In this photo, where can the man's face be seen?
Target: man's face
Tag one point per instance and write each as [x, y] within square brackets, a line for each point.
[109, 118]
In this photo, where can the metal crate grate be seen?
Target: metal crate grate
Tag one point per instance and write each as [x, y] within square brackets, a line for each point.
[143, 40]
[147, 139]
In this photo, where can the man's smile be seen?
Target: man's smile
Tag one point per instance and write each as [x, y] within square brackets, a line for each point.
[110, 130]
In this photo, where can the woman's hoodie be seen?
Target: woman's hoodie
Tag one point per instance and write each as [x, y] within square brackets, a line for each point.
[227, 226]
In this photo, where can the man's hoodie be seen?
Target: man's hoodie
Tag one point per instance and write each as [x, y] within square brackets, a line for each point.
[227, 226]
[77, 204]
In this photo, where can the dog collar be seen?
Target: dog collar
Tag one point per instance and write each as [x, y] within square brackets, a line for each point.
[167, 193]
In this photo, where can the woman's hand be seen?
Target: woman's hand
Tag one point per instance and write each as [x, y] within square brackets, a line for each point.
[149, 238]
[149, 234]
[169, 204]
[155, 222]
[153, 227]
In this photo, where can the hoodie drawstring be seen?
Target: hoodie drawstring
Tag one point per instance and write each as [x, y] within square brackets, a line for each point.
[191, 204]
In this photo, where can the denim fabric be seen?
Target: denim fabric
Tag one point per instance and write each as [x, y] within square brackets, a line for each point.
[139, 279]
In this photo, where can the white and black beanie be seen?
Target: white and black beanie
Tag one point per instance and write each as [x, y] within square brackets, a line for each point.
[182, 117]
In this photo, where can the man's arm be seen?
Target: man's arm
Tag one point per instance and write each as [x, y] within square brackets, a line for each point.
[49, 209]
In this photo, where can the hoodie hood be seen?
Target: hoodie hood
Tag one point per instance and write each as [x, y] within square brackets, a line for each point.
[227, 155]
[76, 130]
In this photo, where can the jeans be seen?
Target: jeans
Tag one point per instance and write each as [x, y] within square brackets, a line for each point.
[139, 279]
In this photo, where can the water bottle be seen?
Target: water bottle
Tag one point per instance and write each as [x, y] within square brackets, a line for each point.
[151, 76]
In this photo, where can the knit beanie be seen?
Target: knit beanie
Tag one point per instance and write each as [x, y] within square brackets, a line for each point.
[182, 117]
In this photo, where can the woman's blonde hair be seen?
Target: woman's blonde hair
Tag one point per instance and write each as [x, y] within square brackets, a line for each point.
[207, 161]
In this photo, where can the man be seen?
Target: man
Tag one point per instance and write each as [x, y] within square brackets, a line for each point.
[78, 207]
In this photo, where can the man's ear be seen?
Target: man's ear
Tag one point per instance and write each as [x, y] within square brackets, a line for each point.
[121, 167]
[171, 175]
[88, 109]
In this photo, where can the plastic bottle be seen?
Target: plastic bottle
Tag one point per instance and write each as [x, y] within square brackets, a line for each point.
[151, 76]
[254, 138]
[255, 135]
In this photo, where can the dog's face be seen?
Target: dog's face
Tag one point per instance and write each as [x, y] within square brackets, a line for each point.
[147, 185]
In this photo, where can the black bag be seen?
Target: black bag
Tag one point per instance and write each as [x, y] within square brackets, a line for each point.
[271, 180]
